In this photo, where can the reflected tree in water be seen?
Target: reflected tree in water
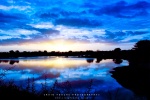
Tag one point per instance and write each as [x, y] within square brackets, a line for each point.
[98, 60]
[89, 60]
[134, 77]
[13, 62]
[117, 61]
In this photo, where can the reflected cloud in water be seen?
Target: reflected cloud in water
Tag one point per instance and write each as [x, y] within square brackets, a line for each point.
[77, 70]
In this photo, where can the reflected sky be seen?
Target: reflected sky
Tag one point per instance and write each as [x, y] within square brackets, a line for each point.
[77, 70]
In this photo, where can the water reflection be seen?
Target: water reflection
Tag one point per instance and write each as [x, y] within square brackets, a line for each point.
[117, 61]
[78, 71]
[11, 62]
[90, 60]
[98, 60]
[135, 77]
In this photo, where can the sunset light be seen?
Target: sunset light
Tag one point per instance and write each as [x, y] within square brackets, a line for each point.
[97, 48]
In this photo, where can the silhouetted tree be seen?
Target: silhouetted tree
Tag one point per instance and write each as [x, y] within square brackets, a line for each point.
[24, 51]
[117, 49]
[70, 51]
[143, 45]
[17, 51]
[11, 51]
[45, 51]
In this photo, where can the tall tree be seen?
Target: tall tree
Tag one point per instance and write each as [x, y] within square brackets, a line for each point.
[142, 45]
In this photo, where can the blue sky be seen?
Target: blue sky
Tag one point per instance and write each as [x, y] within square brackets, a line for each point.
[73, 24]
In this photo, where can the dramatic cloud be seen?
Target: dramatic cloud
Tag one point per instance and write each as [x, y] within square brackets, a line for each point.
[117, 37]
[124, 10]
[96, 21]
[32, 38]
[8, 18]
[48, 15]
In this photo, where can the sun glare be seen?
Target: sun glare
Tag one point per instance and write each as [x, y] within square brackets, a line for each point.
[53, 63]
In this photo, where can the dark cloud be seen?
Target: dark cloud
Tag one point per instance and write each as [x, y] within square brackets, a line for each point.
[13, 41]
[115, 37]
[68, 13]
[124, 10]
[49, 15]
[19, 21]
[43, 31]
[32, 38]
[55, 13]
[111, 36]
[7, 18]
[140, 5]
[136, 32]
[18, 41]
[10, 21]
[78, 22]
[40, 30]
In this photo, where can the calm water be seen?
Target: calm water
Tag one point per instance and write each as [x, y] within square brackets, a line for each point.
[79, 71]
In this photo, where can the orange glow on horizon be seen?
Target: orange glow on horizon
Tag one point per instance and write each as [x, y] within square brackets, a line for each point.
[62, 46]
[58, 63]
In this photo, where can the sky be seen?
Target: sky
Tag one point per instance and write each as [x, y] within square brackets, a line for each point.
[77, 25]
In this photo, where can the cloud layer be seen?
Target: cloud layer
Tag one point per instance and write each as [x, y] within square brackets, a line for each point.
[95, 21]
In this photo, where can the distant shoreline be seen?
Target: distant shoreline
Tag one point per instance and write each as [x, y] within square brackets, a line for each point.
[82, 54]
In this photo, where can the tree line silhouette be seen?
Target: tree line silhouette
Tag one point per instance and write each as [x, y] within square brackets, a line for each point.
[140, 48]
